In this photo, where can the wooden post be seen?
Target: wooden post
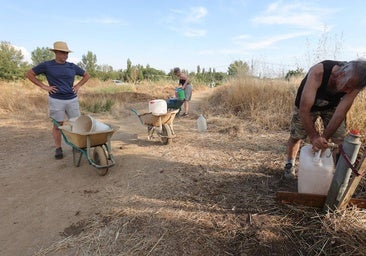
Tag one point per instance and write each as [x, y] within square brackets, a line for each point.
[312, 200]
[354, 183]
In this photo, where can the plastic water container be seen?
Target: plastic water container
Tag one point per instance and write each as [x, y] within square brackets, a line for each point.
[99, 126]
[86, 123]
[201, 123]
[315, 171]
[82, 124]
[180, 93]
[158, 107]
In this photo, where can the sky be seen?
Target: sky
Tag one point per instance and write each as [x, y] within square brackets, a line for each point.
[270, 36]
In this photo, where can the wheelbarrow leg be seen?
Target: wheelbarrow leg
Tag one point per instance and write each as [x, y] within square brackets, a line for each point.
[74, 156]
[108, 148]
[171, 128]
[150, 132]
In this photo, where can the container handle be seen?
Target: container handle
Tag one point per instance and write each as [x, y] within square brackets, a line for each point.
[316, 158]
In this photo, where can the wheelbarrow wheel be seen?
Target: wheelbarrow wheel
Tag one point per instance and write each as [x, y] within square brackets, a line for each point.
[166, 134]
[100, 158]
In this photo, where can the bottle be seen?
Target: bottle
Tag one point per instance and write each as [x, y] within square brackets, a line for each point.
[201, 123]
[180, 94]
[315, 171]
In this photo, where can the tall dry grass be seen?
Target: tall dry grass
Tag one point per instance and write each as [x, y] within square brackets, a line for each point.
[265, 102]
[21, 98]
[356, 118]
[269, 102]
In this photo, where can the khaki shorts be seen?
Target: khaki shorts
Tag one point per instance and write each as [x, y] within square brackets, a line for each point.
[188, 92]
[58, 108]
[297, 130]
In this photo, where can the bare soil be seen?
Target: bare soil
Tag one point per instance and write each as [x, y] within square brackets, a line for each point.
[209, 193]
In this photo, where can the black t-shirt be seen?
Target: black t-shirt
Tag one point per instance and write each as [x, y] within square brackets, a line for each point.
[182, 81]
[324, 98]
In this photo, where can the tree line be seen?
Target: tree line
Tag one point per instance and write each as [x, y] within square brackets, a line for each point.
[13, 67]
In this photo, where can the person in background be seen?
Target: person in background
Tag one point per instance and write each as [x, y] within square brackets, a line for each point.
[61, 89]
[187, 87]
[327, 91]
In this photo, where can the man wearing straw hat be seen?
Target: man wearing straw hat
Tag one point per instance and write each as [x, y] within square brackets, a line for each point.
[61, 89]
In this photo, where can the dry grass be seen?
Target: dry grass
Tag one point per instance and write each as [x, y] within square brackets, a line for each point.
[222, 203]
[218, 197]
[266, 103]
[21, 98]
[356, 118]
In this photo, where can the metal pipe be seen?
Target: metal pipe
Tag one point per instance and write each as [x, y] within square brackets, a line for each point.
[351, 145]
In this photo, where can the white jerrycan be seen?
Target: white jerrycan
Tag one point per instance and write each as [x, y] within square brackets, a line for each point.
[316, 171]
[201, 123]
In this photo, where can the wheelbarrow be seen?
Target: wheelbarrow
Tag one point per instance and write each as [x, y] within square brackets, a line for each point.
[162, 124]
[95, 146]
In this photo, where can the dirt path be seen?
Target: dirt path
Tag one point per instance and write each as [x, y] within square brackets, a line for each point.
[206, 194]
[42, 198]
[203, 188]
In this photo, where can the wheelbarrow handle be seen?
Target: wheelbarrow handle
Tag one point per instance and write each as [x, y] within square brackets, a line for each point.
[137, 114]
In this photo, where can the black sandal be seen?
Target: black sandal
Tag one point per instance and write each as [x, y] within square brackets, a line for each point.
[58, 153]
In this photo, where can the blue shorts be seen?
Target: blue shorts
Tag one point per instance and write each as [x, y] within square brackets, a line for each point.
[58, 108]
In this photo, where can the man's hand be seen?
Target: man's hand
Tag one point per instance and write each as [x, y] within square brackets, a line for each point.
[50, 89]
[319, 143]
[76, 88]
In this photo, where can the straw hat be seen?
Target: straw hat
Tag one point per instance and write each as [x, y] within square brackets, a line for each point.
[60, 46]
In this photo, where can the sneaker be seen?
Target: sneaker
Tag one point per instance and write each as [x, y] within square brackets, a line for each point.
[58, 153]
[290, 172]
[185, 114]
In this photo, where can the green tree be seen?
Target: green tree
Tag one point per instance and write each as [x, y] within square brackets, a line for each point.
[128, 73]
[152, 74]
[12, 66]
[105, 72]
[105, 68]
[89, 63]
[198, 69]
[238, 67]
[40, 55]
[140, 74]
[294, 73]
[219, 77]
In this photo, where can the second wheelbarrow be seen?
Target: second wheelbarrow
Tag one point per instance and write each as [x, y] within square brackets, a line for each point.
[162, 124]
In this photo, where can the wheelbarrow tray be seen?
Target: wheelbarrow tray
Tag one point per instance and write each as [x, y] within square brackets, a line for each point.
[158, 120]
[79, 139]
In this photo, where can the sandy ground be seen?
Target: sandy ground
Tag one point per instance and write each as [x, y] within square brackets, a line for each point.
[42, 198]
